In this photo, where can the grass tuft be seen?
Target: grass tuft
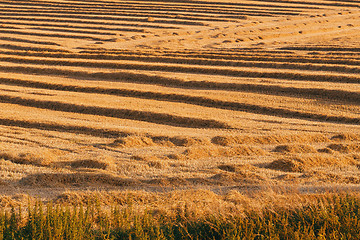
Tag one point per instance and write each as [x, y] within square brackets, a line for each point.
[326, 217]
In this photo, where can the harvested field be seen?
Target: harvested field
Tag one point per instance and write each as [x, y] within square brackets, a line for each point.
[170, 95]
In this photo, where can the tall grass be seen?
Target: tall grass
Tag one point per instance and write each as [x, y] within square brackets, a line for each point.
[330, 217]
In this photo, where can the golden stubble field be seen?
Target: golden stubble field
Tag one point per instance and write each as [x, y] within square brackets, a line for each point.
[235, 97]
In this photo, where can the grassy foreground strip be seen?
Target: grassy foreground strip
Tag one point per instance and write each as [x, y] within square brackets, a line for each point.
[329, 217]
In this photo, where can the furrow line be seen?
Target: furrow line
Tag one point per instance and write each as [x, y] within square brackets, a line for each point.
[195, 11]
[197, 8]
[181, 69]
[201, 3]
[12, 39]
[35, 49]
[188, 16]
[193, 4]
[328, 49]
[314, 93]
[71, 26]
[185, 61]
[74, 16]
[50, 35]
[63, 128]
[230, 57]
[343, 96]
[193, 61]
[146, 116]
[47, 20]
[66, 30]
[348, 1]
[153, 6]
[314, 3]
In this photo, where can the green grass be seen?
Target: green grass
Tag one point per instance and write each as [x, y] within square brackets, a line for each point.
[331, 217]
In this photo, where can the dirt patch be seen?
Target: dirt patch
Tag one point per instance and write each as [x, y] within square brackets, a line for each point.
[75, 179]
[105, 198]
[287, 165]
[237, 167]
[300, 164]
[346, 137]
[45, 158]
[271, 139]
[133, 141]
[320, 176]
[213, 151]
[345, 148]
[229, 178]
[90, 163]
[189, 141]
[295, 149]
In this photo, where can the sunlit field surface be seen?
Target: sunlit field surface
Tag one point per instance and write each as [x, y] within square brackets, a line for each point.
[177, 101]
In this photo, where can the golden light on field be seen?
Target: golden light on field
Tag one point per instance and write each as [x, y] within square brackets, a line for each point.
[166, 95]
